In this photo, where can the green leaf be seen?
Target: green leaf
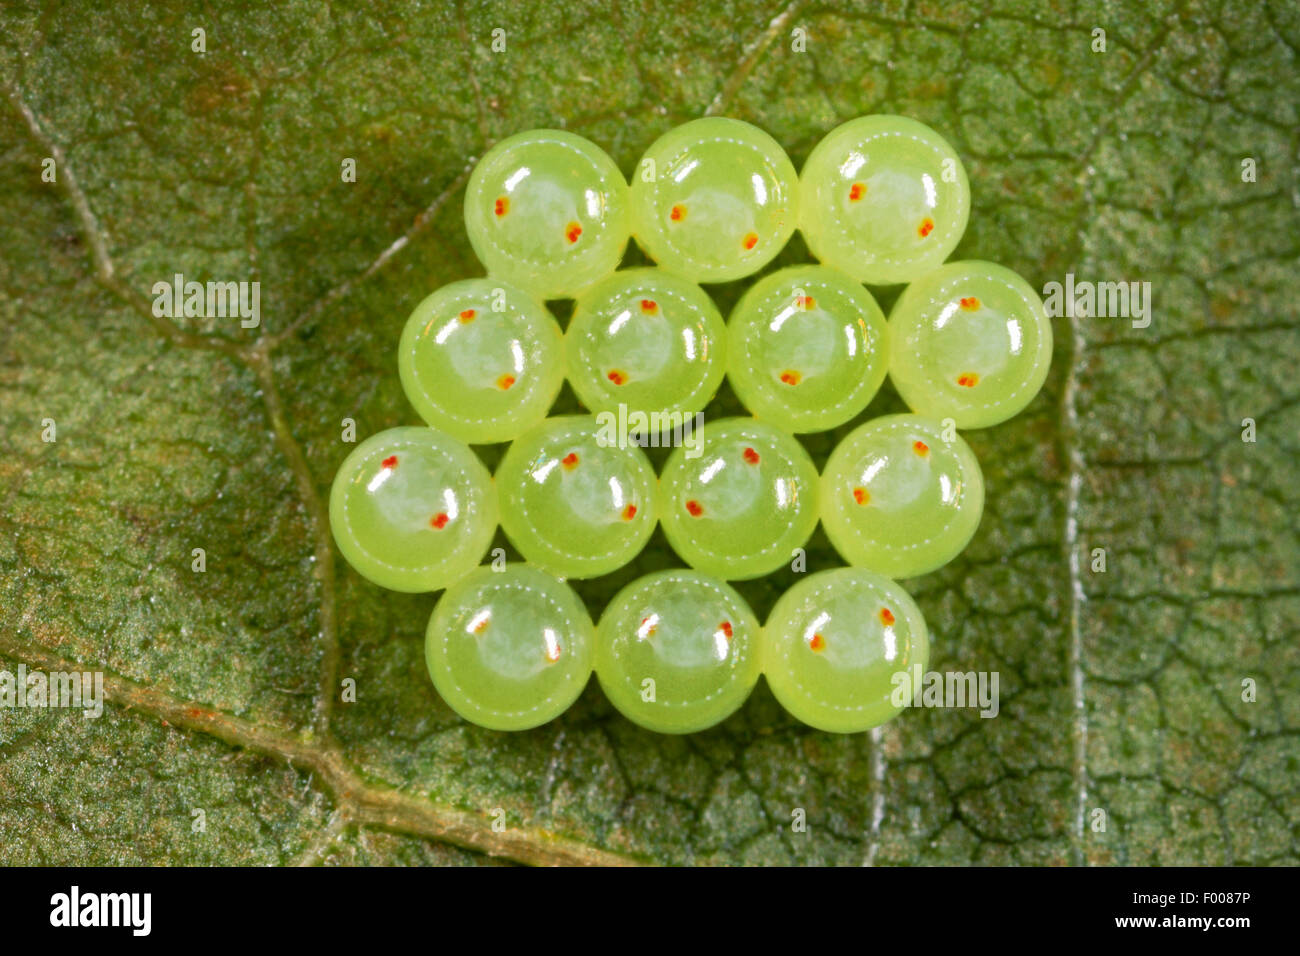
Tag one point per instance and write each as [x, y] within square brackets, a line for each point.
[1121, 691]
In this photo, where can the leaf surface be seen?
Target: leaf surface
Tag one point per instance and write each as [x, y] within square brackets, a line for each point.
[1121, 691]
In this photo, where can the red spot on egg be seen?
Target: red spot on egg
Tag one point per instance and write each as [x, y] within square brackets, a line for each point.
[750, 240]
[791, 377]
[970, 303]
[617, 377]
[694, 508]
[807, 302]
[572, 231]
[502, 206]
[677, 213]
[647, 629]
[553, 653]
[857, 191]
[925, 228]
[886, 616]
[629, 512]
[968, 379]
[817, 643]
[725, 628]
[482, 625]
[921, 448]
[439, 521]
[649, 306]
[467, 315]
[751, 456]
[570, 461]
[505, 381]
[389, 462]
[861, 495]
